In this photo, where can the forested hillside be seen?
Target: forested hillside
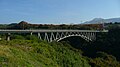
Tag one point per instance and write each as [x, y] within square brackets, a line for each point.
[29, 51]
[26, 25]
[104, 51]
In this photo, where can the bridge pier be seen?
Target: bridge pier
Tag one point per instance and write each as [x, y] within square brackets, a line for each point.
[39, 36]
[31, 33]
[8, 36]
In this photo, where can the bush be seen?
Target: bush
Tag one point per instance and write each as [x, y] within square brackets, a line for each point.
[32, 53]
[17, 37]
[32, 37]
[104, 60]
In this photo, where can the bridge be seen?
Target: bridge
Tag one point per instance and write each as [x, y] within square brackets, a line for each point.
[57, 35]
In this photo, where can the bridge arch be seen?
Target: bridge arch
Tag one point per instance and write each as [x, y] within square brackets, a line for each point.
[82, 36]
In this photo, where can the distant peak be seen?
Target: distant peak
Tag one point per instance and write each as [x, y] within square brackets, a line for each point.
[98, 19]
[101, 20]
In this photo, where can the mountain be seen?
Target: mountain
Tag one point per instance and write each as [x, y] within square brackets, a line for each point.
[101, 20]
[113, 20]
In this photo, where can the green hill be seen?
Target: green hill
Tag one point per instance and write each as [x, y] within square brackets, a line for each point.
[31, 53]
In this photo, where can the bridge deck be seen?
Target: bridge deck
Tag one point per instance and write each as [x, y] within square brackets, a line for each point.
[36, 31]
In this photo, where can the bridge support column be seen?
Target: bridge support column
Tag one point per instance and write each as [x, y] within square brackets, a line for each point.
[39, 36]
[8, 37]
[31, 33]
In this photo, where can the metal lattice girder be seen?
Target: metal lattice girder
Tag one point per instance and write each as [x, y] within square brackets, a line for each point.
[39, 36]
[57, 36]
[50, 35]
[46, 37]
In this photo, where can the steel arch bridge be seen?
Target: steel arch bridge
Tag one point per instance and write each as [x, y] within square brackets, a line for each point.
[57, 35]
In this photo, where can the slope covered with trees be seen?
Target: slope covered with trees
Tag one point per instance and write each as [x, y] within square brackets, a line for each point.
[32, 53]
[104, 52]
[28, 50]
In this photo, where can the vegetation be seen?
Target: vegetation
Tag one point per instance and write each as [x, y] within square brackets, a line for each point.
[29, 51]
[25, 25]
[32, 53]
[104, 52]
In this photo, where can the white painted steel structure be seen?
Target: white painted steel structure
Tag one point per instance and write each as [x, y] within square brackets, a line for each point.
[58, 35]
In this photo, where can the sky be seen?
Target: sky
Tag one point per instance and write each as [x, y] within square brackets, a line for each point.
[57, 11]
